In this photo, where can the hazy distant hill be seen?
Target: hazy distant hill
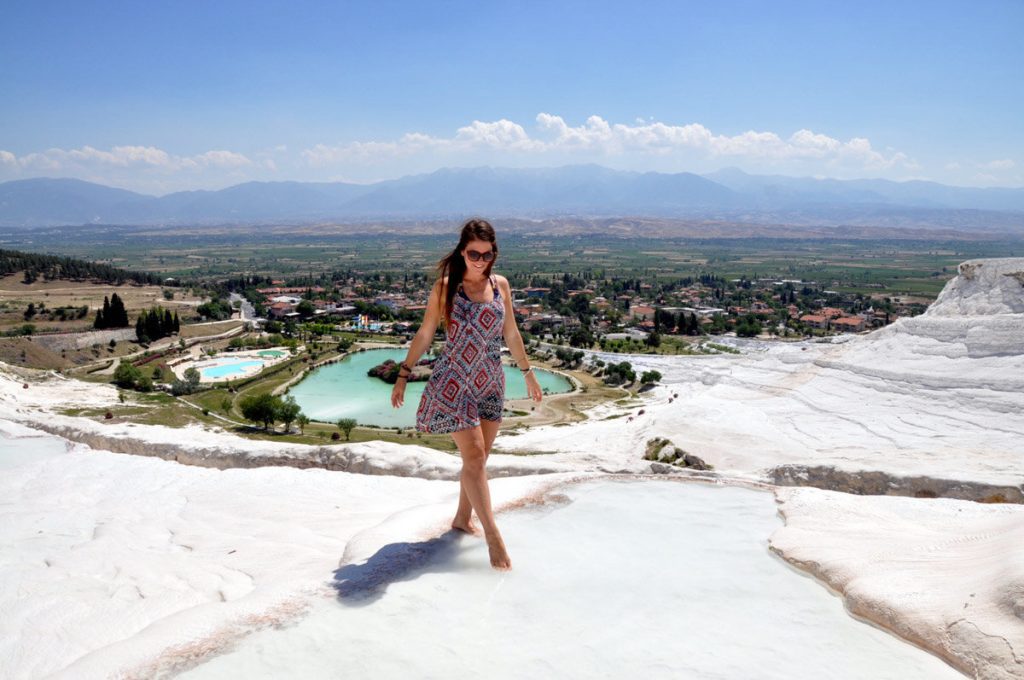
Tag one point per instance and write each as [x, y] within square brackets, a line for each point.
[59, 201]
[574, 190]
[778, 191]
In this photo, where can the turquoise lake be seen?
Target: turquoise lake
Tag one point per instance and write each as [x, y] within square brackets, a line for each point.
[343, 390]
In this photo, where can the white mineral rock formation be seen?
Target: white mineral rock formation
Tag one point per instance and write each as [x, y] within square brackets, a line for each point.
[113, 560]
[947, 575]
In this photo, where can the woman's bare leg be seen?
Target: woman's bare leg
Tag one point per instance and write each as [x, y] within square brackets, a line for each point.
[463, 515]
[474, 480]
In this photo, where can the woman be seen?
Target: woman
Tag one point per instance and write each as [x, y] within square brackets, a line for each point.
[466, 392]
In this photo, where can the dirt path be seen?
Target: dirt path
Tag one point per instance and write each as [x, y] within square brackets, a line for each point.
[562, 408]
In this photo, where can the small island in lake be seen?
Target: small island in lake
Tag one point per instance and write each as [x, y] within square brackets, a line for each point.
[388, 371]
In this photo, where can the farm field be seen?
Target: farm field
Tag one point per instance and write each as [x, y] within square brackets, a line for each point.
[896, 266]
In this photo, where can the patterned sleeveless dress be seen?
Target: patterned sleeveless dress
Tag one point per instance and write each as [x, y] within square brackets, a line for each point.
[468, 382]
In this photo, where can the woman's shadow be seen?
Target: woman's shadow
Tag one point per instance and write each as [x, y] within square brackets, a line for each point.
[362, 584]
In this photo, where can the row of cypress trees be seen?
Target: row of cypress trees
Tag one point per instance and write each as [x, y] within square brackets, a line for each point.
[113, 314]
[150, 325]
[156, 323]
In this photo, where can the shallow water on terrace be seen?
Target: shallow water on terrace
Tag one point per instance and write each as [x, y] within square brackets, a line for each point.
[343, 390]
[15, 451]
[630, 579]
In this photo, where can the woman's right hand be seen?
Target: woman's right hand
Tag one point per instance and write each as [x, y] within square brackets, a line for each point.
[398, 394]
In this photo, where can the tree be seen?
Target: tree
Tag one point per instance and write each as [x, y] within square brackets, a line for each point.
[580, 304]
[118, 314]
[260, 408]
[155, 323]
[346, 425]
[288, 411]
[217, 310]
[113, 314]
[192, 377]
[302, 420]
[581, 337]
[616, 374]
[569, 357]
[305, 309]
[648, 377]
[180, 387]
[187, 386]
[126, 374]
[748, 327]
[225, 405]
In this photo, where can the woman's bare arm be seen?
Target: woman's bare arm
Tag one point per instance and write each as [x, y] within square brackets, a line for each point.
[421, 341]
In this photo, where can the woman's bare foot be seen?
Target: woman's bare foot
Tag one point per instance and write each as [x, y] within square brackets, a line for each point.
[499, 556]
[465, 525]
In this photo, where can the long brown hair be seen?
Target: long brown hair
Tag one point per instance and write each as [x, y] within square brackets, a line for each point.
[453, 265]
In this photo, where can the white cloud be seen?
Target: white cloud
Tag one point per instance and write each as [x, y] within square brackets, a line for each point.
[643, 144]
[150, 157]
[321, 154]
[599, 138]
[594, 134]
[1004, 164]
[502, 134]
[220, 159]
[1003, 172]
[144, 168]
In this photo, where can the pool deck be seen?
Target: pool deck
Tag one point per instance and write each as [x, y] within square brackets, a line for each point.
[218, 359]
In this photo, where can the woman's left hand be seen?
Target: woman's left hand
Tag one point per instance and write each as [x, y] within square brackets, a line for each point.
[533, 390]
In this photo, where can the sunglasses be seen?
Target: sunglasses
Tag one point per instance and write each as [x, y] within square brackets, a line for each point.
[476, 256]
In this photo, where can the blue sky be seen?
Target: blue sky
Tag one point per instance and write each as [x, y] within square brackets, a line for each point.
[161, 96]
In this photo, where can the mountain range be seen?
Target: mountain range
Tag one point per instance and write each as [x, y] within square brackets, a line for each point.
[574, 190]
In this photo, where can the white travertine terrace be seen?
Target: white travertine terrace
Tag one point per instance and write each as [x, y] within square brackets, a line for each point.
[130, 558]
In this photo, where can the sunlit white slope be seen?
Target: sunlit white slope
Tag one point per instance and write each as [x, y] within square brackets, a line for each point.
[941, 394]
[115, 565]
[945, 574]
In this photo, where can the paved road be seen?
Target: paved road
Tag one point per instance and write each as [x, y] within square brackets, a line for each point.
[246, 310]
